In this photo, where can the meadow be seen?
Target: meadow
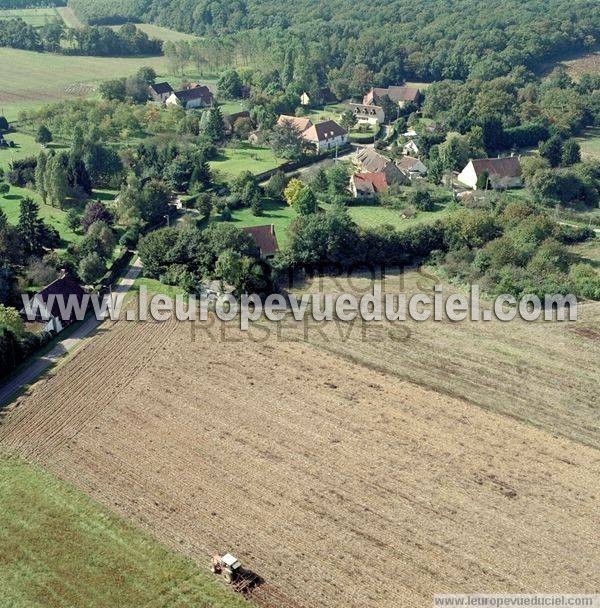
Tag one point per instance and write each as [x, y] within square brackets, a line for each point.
[60, 548]
[245, 157]
[33, 16]
[590, 143]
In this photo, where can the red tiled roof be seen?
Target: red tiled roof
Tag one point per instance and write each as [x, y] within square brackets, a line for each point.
[298, 122]
[264, 237]
[377, 182]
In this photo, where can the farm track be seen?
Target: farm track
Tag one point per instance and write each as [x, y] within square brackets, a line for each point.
[339, 485]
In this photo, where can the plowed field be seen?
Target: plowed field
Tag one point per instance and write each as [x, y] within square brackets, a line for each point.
[343, 487]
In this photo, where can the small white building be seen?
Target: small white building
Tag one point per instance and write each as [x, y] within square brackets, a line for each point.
[160, 91]
[326, 135]
[410, 148]
[499, 173]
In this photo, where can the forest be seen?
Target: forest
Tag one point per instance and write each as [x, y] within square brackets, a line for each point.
[395, 40]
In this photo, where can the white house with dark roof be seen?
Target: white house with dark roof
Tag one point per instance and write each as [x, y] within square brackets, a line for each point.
[326, 135]
[160, 91]
[368, 113]
[501, 173]
[196, 96]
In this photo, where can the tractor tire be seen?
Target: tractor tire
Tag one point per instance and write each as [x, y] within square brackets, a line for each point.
[228, 576]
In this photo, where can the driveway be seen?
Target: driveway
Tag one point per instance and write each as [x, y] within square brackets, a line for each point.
[39, 365]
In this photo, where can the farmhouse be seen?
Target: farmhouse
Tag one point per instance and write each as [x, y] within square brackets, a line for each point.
[369, 160]
[398, 95]
[195, 97]
[499, 173]
[367, 184]
[160, 91]
[265, 239]
[45, 305]
[326, 135]
[368, 113]
[299, 123]
[412, 167]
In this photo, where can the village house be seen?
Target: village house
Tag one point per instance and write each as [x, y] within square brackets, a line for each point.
[399, 95]
[326, 135]
[160, 91]
[44, 307]
[304, 99]
[365, 185]
[368, 160]
[298, 122]
[411, 166]
[265, 239]
[366, 113]
[197, 96]
[497, 173]
[410, 148]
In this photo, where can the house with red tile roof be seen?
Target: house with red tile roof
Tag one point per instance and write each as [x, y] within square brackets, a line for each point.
[368, 184]
[265, 239]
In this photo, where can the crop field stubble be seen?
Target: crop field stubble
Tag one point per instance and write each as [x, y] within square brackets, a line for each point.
[340, 484]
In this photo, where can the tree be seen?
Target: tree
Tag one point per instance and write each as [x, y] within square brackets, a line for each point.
[292, 191]
[348, 119]
[571, 153]
[73, 220]
[95, 211]
[155, 202]
[4, 188]
[276, 185]
[43, 135]
[4, 126]
[230, 85]
[215, 127]
[91, 268]
[57, 181]
[422, 200]
[40, 176]
[30, 227]
[552, 150]
[11, 319]
[287, 142]
[306, 202]
[454, 152]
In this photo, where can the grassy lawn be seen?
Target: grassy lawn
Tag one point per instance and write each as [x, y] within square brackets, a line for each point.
[331, 112]
[245, 157]
[590, 143]
[33, 16]
[231, 107]
[69, 17]
[162, 33]
[280, 215]
[59, 548]
[10, 203]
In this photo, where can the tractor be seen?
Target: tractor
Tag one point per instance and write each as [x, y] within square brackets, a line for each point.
[227, 565]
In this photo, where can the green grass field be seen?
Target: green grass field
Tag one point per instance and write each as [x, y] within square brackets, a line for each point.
[162, 33]
[33, 16]
[245, 157]
[590, 143]
[30, 80]
[278, 214]
[58, 548]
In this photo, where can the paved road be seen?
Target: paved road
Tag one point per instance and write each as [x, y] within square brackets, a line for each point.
[39, 365]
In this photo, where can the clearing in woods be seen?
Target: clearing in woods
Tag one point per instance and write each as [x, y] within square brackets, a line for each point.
[340, 483]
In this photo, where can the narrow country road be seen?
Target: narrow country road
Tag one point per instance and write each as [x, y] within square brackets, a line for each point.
[39, 365]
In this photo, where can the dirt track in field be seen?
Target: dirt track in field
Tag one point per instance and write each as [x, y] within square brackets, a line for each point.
[341, 486]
